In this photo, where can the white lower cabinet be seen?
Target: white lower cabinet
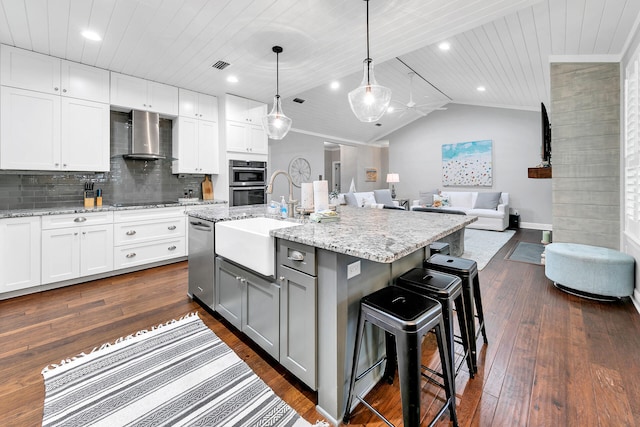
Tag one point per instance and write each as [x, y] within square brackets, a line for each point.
[19, 253]
[76, 245]
[250, 303]
[146, 236]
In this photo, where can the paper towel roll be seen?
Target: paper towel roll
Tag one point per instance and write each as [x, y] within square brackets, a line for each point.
[306, 197]
[320, 195]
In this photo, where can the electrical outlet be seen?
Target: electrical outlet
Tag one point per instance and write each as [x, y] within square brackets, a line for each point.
[353, 269]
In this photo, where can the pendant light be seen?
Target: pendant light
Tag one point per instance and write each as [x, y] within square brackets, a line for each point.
[276, 124]
[369, 101]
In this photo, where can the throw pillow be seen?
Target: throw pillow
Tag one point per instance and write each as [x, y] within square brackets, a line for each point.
[426, 197]
[383, 197]
[440, 201]
[365, 198]
[487, 201]
[350, 199]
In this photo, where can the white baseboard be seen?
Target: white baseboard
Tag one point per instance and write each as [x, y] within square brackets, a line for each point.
[635, 298]
[536, 226]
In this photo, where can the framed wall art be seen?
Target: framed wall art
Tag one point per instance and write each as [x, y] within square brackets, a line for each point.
[467, 164]
[371, 174]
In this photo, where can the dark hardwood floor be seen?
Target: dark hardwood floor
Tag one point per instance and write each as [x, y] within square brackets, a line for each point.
[552, 360]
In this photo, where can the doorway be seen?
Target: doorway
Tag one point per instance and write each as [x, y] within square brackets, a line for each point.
[335, 176]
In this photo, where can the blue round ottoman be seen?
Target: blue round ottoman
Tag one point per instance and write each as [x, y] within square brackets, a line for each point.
[590, 271]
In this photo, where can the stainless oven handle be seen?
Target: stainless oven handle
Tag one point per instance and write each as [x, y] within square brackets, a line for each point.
[200, 226]
[248, 169]
[262, 187]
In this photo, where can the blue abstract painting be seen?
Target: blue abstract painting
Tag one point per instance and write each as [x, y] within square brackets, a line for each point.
[467, 164]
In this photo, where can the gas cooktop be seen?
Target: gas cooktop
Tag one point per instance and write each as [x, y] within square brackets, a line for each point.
[129, 204]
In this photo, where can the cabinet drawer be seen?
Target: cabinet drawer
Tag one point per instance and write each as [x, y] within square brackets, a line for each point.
[138, 232]
[144, 253]
[71, 220]
[297, 256]
[128, 215]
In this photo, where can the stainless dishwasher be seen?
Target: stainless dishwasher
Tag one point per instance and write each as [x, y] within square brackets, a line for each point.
[202, 261]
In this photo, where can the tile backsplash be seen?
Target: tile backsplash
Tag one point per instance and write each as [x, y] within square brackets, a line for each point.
[127, 181]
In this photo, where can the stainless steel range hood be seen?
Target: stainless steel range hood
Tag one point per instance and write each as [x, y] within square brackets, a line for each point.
[145, 136]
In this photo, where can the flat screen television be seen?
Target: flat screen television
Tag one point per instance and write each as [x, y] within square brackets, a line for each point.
[546, 136]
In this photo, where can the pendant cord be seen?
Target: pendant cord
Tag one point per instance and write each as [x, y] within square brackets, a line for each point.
[277, 75]
[368, 57]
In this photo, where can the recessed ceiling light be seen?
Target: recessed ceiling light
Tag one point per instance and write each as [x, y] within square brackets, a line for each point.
[481, 88]
[334, 85]
[444, 46]
[390, 109]
[232, 79]
[91, 35]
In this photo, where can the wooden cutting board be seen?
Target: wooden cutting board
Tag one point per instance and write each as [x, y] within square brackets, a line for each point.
[207, 188]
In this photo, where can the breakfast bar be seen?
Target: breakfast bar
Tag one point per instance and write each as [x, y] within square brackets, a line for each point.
[365, 250]
[361, 252]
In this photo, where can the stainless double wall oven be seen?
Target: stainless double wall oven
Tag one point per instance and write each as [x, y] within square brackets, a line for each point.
[247, 182]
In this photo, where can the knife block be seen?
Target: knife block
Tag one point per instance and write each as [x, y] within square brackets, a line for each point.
[88, 200]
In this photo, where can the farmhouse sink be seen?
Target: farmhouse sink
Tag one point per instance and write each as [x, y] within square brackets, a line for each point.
[247, 242]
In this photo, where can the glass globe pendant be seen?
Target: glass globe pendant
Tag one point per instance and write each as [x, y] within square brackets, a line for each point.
[369, 101]
[276, 124]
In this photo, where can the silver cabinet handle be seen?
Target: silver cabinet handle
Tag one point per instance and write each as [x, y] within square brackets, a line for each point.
[55, 88]
[131, 255]
[296, 256]
[243, 280]
[131, 232]
[238, 277]
[64, 91]
[282, 278]
[171, 227]
[172, 248]
[80, 219]
[200, 289]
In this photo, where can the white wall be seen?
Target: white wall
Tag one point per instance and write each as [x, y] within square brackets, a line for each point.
[291, 146]
[354, 160]
[415, 152]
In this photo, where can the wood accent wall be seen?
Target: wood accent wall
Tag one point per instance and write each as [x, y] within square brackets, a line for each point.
[585, 128]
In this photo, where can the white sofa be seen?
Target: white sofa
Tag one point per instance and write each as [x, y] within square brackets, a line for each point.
[369, 199]
[488, 219]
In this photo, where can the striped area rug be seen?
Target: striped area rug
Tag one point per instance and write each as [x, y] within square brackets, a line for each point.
[176, 374]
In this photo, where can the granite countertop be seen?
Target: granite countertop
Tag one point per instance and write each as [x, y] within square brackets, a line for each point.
[378, 235]
[17, 213]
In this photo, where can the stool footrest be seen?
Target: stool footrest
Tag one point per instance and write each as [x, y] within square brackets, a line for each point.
[371, 368]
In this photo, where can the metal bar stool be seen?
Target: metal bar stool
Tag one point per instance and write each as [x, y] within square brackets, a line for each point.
[408, 316]
[439, 248]
[467, 271]
[447, 289]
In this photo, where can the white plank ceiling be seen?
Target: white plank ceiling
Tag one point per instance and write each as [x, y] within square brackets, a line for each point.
[503, 45]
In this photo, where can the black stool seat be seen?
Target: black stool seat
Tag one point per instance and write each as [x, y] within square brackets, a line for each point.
[408, 316]
[439, 248]
[447, 289]
[467, 271]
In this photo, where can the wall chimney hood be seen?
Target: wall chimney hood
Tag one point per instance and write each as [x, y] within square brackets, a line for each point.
[145, 136]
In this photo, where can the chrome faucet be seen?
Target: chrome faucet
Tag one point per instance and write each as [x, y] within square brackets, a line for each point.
[291, 203]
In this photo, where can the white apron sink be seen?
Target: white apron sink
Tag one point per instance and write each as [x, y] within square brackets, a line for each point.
[247, 242]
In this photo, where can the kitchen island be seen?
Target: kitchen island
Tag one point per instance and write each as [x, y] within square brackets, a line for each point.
[365, 250]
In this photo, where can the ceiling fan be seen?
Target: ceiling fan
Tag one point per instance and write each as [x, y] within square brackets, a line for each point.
[411, 105]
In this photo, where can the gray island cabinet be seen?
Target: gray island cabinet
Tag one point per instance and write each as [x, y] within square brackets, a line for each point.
[322, 271]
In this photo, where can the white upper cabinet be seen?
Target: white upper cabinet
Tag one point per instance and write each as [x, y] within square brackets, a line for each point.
[33, 71]
[84, 82]
[245, 110]
[46, 132]
[140, 94]
[198, 105]
[195, 134]
[244, 130]
[29, 70]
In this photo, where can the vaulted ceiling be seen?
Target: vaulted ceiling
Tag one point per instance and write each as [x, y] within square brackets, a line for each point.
[503, 45]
